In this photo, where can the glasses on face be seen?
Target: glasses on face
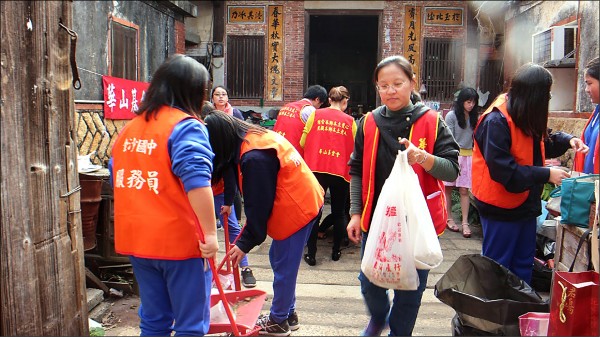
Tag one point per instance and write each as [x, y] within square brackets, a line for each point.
[220, 94]
[386, 87]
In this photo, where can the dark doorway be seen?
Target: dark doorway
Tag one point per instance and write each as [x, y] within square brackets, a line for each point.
[343, 51]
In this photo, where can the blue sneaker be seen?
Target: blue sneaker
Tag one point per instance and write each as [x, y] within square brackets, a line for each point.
[373, 329]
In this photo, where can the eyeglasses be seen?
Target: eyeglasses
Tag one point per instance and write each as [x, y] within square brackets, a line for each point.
[220, 95]
[386, 87]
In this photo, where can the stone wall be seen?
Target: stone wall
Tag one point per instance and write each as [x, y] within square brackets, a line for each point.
[573, 126]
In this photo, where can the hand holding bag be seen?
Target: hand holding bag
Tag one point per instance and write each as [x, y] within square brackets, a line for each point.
[388, 259]
[574, 301]
[577, 195]
[427, 249]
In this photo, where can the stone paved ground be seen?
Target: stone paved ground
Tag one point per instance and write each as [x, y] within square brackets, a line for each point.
[329, 301]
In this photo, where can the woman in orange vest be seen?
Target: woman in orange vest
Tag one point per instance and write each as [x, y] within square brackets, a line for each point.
[226, 193]
[164, 215]
[282, 199]
[403, 122]
[511, 143]
[328, 141]
[589, 163]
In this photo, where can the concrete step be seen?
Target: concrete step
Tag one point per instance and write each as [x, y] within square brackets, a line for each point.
[100, 312]
[94, 297]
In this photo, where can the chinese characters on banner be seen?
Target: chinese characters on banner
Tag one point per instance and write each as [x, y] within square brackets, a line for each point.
[412, 37]
[443, 16]
[275, 54]
[122, 97]
[246, 14]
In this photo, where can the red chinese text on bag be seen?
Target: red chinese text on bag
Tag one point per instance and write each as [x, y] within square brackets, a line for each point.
[574, 304]
[388, 259]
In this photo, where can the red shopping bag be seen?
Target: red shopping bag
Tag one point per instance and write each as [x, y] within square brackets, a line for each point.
[574, 304]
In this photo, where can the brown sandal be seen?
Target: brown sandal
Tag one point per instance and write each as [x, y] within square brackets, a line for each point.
[451, 225]
[466, 230]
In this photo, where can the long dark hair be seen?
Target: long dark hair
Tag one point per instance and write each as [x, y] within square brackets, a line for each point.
[225, 133]
[179, 82]
[459, 107]
[528, 99]
[405, 66]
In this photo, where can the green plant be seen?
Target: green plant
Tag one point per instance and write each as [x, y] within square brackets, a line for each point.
[473, 215]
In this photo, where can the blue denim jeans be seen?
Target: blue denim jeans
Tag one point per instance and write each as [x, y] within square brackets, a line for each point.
[233, 225]
[402, 314]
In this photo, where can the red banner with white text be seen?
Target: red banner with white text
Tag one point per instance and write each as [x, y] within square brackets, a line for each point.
[122, 97]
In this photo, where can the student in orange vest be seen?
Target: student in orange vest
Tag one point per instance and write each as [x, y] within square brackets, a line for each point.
[220, 97]
[292, 117]
[328, 141]
[164, 215]
[226, 192]
[403, 122]
[282, 199]
[511, 143]
[589, 163]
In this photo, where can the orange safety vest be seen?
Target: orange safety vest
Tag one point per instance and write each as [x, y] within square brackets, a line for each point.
[299, 196]
[153, 216]
[423, 134]
[329, 143]
[579, 160]
[486, 189]
[289, 124]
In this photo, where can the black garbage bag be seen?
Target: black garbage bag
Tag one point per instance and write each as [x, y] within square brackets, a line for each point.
[486, 296]
[459, 329]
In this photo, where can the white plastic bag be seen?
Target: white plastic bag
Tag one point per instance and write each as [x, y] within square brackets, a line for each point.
[388, 259]
[427, 249]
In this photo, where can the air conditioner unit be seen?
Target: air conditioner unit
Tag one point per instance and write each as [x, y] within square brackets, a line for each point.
[554, 44]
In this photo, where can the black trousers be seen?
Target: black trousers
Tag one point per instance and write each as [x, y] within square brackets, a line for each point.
[339, 189]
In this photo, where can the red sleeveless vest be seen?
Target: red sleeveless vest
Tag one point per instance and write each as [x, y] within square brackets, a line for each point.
[485, 188]
[423, 134]
[290, 125]
[298, 198]
[153, 217]
[330, 142]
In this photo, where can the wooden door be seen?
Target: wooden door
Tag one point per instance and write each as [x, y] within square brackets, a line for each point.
[42, 267]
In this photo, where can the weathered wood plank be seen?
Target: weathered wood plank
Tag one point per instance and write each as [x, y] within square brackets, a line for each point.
[19, 281]
[43, 287]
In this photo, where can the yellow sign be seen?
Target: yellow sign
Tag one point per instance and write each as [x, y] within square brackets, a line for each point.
[246, 14]
[412, 37]
[443, 16]
[275, 54]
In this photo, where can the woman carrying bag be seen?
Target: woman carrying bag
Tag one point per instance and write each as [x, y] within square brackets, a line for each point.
[401, 123]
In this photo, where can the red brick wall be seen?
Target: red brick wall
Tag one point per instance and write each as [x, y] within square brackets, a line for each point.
[179, 37]
[391, 39]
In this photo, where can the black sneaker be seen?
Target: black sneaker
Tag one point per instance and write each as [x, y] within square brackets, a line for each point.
[248, 279]
[293, 321]
[269, 328]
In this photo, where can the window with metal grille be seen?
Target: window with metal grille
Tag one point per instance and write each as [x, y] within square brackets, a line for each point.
[124, 51]
[245, 66]
[442, 62]
[542, 47]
